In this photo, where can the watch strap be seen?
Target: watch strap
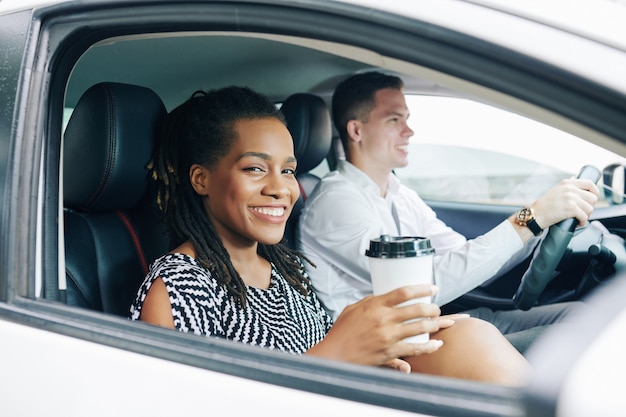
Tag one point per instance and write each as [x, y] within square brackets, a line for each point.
[534, 227]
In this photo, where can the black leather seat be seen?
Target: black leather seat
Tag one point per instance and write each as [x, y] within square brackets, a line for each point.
[309, 123]
[112, 225]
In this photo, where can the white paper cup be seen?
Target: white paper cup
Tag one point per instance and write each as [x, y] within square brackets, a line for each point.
[399, 261]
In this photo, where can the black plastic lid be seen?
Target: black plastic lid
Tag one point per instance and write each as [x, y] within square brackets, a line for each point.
[399, 247]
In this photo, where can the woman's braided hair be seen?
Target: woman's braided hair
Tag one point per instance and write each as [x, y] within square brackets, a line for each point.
[202, 131]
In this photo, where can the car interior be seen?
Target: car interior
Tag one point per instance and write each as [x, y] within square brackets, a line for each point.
[308, 120]
[112, 227]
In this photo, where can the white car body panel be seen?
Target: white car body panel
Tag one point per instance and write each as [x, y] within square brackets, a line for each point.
[73, 377]
[595, 384]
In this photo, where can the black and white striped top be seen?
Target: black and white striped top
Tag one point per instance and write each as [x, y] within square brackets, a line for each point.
[279, 317]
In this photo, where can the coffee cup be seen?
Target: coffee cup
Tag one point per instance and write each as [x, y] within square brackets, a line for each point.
[397, 261]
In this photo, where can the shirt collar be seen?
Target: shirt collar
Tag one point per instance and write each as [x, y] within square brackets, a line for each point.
[393, 186]
[361, 179]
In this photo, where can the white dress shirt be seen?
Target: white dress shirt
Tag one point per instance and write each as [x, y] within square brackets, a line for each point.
[346, 210]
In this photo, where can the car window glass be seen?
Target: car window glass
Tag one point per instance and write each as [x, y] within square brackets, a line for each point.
[466, 151]
[67, 113]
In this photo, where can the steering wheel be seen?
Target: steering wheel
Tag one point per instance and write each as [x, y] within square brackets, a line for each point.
[548, 254]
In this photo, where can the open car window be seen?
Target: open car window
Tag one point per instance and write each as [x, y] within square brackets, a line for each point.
[137, 55]
[470, 152]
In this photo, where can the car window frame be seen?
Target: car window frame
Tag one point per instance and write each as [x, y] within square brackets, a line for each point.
[13, 39]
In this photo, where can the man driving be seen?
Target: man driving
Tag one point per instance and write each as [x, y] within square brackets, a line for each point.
[362, 199]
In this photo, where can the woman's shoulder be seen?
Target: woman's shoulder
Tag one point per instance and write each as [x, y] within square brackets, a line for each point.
[177, 267]
[174, 262]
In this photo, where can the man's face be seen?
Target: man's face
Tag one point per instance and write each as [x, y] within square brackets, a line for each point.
[385, 135]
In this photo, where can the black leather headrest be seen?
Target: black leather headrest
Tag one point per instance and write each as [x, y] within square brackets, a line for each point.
[108, 141]
[308, 121]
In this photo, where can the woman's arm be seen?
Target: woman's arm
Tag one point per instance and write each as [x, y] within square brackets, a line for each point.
[371, 332]
[156, 308]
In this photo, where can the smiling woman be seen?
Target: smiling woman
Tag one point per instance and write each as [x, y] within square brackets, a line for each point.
[251, 191]
[226, 174]
[209, 166]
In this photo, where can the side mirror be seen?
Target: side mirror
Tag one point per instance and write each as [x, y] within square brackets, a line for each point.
[614, 179]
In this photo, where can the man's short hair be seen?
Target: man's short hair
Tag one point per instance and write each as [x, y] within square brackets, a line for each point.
[353, 98]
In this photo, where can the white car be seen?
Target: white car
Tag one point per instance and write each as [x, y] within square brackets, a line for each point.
[506, 96]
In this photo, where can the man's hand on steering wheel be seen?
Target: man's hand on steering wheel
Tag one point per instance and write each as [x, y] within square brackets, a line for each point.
[561, 209]
[571, 198]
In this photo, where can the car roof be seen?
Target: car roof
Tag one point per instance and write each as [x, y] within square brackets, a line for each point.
[601, 20]
[211, 59]
[9, 6]
[320, 70]
[597, 19]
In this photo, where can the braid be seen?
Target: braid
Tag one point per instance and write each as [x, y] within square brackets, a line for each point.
[201, 131]
[288, 264]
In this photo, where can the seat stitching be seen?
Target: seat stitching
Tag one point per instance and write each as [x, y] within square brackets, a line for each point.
[79, 287]
[135, 238]
[108, 170]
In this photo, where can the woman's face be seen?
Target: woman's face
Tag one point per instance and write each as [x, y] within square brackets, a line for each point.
[252, 189]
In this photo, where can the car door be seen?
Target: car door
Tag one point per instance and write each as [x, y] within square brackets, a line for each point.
[68, 360]
[75, 360]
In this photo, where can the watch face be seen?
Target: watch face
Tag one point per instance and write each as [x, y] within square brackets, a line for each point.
[524, 215]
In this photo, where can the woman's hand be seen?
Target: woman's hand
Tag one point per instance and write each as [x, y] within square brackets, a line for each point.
[371, 331]
[449, 319]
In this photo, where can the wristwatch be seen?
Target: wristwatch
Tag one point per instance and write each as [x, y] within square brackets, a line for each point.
[526, 217]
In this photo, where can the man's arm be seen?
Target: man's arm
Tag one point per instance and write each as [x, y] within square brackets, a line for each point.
[480, 259]
[572, 198]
